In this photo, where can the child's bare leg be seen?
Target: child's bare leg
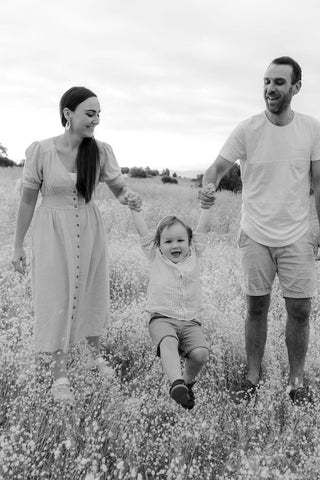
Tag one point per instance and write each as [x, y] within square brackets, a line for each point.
[170, 358]
[195, 361]
[60, 364]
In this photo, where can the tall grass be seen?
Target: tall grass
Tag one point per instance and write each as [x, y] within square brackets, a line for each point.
[129, 428]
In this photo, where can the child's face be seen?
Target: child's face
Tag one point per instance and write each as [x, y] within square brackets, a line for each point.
[174, 242]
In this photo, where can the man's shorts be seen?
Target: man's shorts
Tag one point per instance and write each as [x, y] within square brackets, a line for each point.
[294, 264]
[188, 333]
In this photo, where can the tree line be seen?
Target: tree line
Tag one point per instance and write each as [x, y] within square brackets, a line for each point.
[231, 181]
[147, 172]
[4, 160]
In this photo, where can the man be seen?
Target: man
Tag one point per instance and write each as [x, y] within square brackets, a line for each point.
[277, 149]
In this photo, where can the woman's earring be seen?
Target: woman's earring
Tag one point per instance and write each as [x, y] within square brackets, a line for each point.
[68, 125]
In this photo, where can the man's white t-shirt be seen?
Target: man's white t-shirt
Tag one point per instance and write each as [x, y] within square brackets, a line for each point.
[275, 171]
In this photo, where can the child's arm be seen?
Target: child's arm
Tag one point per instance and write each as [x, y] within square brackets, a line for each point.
[205, 214]
[139, 223]
[138, 220]
[204, 219]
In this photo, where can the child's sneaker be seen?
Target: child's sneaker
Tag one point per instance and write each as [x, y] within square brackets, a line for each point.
[191, 395]
[180, 393]
[61, 391]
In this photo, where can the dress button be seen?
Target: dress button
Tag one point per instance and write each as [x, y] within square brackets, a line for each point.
[78, 224]
[78, 266]
[75, 206]
[76, 286]
[74, 198]
[77, 276]
[78, 246]
[78, 236]
[77, 216]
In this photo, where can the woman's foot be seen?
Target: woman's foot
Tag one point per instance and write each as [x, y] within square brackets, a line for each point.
[61, 391]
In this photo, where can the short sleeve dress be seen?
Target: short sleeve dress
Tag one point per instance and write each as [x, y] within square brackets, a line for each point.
[70, 261]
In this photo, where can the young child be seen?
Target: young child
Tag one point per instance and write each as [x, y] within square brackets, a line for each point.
[173, 298]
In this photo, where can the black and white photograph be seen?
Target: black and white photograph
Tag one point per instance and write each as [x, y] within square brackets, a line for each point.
[160, 240]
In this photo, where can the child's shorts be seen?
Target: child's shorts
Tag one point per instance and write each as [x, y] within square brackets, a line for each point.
[188, 333]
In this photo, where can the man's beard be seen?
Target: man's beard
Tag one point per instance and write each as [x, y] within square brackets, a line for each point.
[280, 105]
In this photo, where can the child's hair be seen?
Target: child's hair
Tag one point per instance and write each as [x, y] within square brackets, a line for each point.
[168, 222]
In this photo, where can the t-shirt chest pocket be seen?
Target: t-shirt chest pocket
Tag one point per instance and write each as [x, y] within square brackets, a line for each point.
[300, 157]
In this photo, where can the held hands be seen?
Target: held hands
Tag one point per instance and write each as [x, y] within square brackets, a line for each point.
[206, 196]
[19, 260]
[133, 200]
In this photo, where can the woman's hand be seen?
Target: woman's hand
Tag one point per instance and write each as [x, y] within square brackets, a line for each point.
[133, 200]
[206, 196]
[127, 197]
[19, 260]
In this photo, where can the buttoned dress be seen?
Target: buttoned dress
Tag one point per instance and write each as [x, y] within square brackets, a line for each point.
[70, 287]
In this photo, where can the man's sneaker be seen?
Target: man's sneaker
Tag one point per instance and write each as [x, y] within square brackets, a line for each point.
[180, 393]
[244, 392]
[301, 396]
[191, 395]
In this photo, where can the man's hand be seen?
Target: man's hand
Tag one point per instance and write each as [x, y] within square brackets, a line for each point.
[206, 196]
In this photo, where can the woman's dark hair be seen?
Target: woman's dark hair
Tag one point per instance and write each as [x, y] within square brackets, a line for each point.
[88, 154]
[296, 69]
[168, 222]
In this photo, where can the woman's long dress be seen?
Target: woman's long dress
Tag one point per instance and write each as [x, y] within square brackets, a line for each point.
[70, 260]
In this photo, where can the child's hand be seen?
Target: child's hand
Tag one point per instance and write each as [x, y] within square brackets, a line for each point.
[133, 200]
[206, 196]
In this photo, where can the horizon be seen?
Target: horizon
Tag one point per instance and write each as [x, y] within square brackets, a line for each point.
[190, 173]
[173, 79]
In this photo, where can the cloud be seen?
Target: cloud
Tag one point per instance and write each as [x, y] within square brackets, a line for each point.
[180, 69]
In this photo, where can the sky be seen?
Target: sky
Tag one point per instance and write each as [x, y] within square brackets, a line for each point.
[173, 77]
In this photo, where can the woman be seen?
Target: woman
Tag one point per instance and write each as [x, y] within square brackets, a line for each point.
[69, 265]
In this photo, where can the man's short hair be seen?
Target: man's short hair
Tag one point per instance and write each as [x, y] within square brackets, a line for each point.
[296, 69]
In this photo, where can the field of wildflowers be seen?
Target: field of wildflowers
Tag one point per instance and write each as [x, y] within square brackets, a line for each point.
[128, 427]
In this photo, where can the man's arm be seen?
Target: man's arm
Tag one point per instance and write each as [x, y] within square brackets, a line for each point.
[217, 170]
[315, 170]
[213, 177]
